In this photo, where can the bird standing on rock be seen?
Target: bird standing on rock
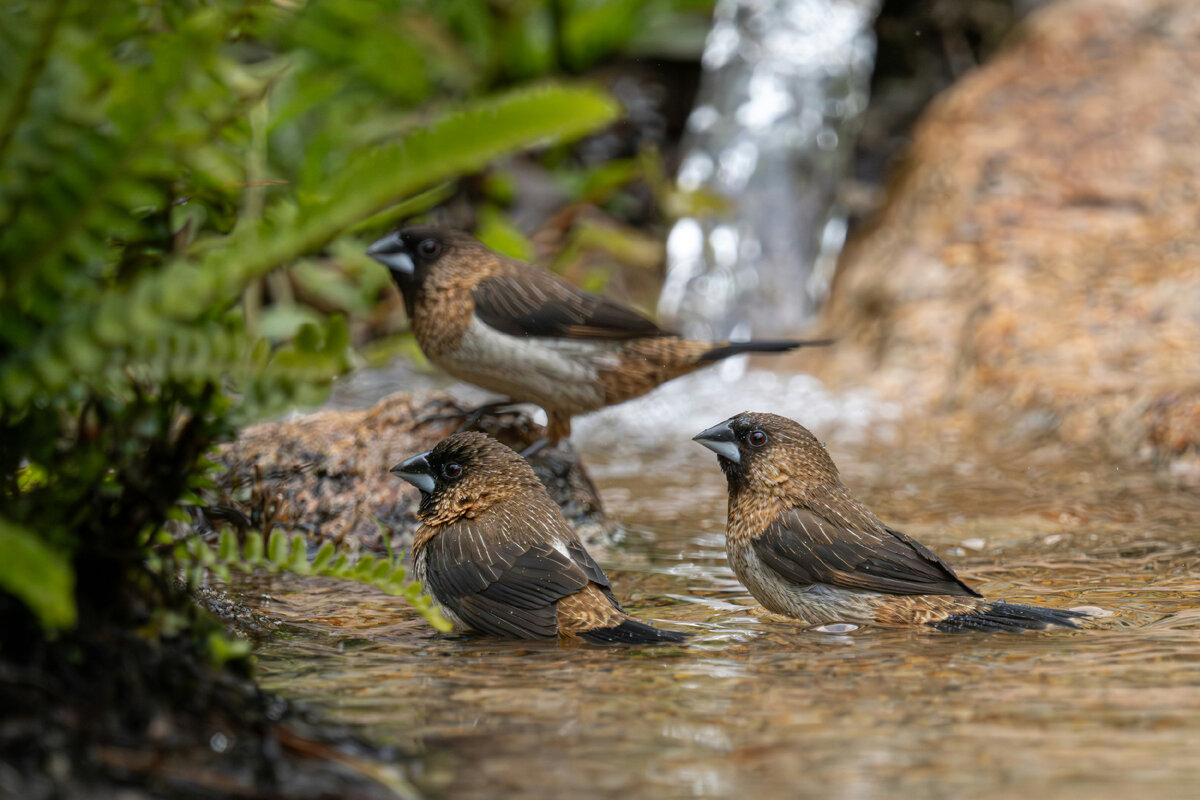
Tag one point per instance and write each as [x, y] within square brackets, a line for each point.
[495, 552]
[526, 333]
[806, 548]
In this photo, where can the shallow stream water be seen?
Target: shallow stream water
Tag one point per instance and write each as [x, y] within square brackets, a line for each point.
[756, 706]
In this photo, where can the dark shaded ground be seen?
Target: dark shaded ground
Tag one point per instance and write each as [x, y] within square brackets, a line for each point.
[120, 714]
[135, 704]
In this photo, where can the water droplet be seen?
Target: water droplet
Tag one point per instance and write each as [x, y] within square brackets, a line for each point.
[702, 118]
[827, 139]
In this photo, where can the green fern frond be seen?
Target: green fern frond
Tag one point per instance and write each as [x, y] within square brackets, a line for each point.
[141, 324]
[157, 161]
[25, 60]
[282, 553]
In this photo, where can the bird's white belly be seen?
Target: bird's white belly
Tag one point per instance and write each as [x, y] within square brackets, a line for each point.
[553, 373]
[814, 603]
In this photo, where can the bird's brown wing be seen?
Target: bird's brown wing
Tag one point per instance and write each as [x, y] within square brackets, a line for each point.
[805, 547]
[504, 573]
[532, 302]
[590, 568]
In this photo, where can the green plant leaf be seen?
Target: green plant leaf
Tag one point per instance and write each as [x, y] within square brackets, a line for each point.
[30, 477]
[461, 141]
[340, 566]
[165, 166]
[323, 558]
[499, 233]
[364, 568]
[38, 575]
[298, 561]
[222, 647]
[289, 553]
[254, 549]
[277, 549]
[227, 550]
[202, 553]
[381, 573]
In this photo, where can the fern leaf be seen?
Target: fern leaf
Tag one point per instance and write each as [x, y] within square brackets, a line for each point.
[254, 548]
[324, 556]
[40, 576]
[290, 554]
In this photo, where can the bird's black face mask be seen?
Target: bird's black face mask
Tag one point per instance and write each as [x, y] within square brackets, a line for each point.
[433, 473]
[408, 254]
[735, 441]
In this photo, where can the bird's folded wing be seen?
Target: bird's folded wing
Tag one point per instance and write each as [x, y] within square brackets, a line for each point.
[537, 303]
[590, 568]
[805, 547]
[507, 588]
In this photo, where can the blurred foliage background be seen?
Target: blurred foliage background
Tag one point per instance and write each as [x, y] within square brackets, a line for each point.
[186, 189]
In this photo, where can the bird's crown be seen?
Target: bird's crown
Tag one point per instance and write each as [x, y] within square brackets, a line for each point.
[464, 474]
[757, 450]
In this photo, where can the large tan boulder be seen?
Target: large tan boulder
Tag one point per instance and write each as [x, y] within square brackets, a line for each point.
[1037, 264]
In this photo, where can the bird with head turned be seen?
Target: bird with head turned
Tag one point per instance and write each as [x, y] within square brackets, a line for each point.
[806, 548]
[499, 558]
[526, 333]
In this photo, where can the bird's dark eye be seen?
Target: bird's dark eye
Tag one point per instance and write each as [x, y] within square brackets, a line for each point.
[757, 438]
[429, 248]
[452, 470]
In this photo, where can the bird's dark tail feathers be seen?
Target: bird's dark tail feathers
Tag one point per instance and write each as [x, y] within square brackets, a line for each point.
[1010, 617]
[737, 348]
[632, 632]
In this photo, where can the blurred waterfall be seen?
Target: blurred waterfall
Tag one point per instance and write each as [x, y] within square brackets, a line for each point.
[784, 84]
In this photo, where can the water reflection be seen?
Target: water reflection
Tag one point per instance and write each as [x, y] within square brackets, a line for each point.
[755, 705]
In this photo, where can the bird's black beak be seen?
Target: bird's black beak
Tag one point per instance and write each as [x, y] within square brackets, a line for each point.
[393, 254]
[722, 441]
[417, 471]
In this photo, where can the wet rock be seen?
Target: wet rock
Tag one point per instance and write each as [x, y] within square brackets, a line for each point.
[1036, 269]
[326, 473]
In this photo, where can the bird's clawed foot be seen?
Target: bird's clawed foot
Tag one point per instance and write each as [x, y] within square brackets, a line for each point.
[475, 415]
[535, 448]
[472, 417]
[558, 467]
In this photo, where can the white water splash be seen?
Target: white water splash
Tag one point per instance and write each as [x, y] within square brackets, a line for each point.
[664, 421]
[784, 85]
